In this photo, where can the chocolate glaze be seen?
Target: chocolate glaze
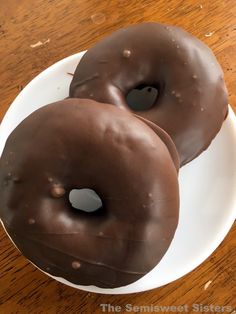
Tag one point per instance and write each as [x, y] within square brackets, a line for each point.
[192, 97]
[165, 139]
[79, 143]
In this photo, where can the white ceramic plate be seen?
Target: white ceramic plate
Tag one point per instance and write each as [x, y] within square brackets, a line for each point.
[207, 184]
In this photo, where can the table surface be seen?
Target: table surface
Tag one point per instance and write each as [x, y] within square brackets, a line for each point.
[35, 34]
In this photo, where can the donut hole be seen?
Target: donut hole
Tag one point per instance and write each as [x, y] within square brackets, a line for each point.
[86, 200]
[142, 97]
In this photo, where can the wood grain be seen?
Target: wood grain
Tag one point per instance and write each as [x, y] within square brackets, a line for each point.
[65, 27]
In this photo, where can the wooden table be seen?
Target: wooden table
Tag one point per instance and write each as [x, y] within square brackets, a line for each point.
[36, 33]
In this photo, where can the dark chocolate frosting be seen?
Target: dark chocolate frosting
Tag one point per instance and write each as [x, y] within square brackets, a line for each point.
[192, 98]
[82, 144]
[165, 139]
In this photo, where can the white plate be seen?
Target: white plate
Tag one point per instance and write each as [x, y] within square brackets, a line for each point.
[207, 184]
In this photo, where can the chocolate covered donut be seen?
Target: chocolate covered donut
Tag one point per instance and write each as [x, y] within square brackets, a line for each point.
[192, 98]
[74, 144]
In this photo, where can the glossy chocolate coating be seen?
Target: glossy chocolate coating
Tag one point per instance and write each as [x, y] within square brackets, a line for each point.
[165, 139]
[192, 98]
[79, 143]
